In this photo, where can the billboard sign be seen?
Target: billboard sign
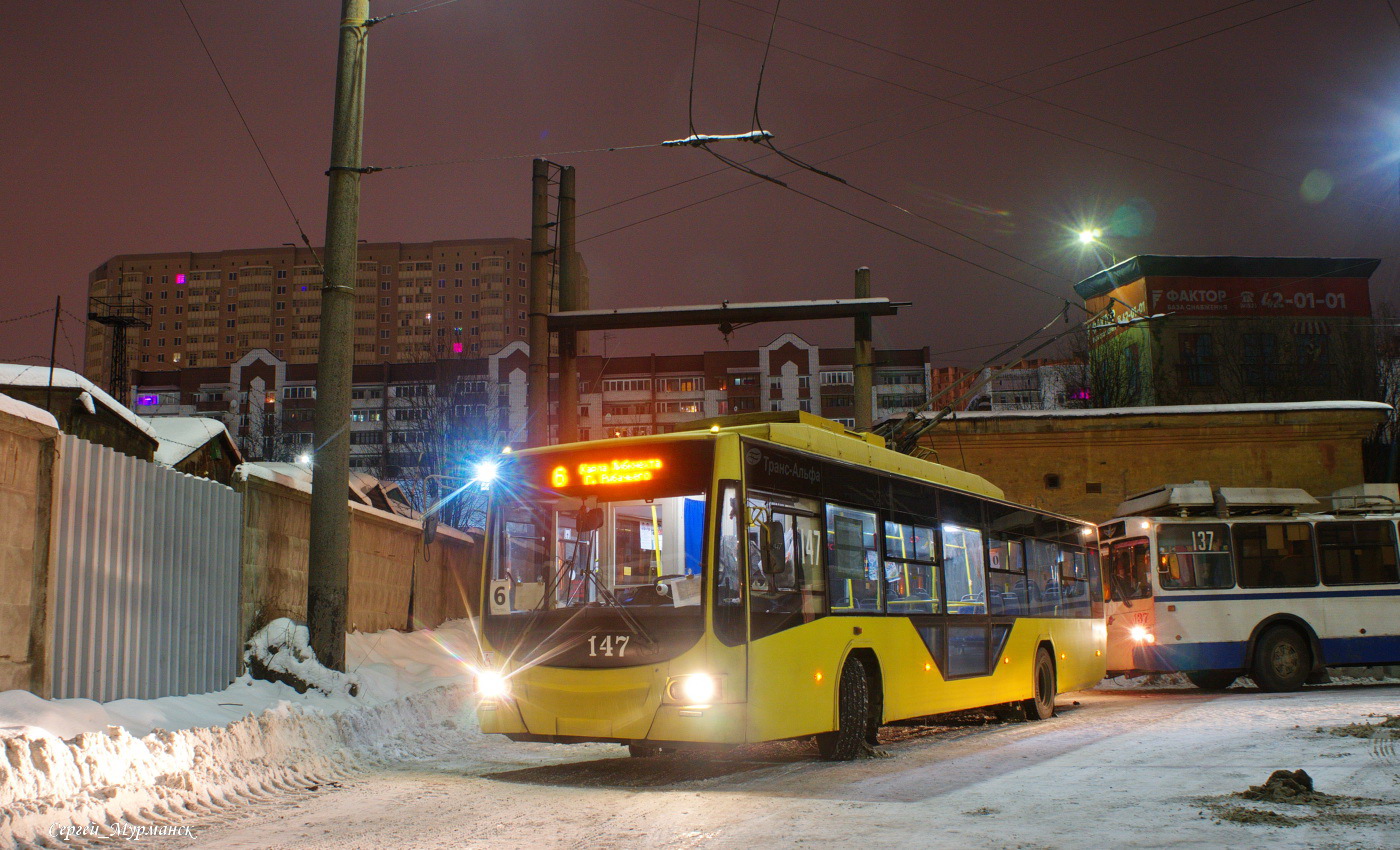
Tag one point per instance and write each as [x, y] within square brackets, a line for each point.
[1259, 297]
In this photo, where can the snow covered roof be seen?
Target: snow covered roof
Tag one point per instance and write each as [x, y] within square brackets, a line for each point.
[1178, 409]
[15, 407]
[21, 375]
[182, 436]
[1156, 265]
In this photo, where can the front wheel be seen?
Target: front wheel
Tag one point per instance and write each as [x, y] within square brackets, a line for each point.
[1212, 680]
[1042, 705]
[852, 715]
[1282, 660]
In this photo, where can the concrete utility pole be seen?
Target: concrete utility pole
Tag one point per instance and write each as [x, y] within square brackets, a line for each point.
[862, 357]
[568, 300]
[537, 396]
[328, 564]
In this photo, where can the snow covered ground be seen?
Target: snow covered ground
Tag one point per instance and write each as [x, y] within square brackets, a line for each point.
[75, 765]
[402, 765]
[1119, 768]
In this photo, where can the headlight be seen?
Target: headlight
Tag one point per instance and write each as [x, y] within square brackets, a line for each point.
[491, 685]
[696, 689]
[1140, 634]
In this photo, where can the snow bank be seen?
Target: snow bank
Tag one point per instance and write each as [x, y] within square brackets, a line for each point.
[70, 765]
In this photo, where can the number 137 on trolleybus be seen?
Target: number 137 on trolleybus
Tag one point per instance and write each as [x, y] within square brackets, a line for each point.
[770, 577]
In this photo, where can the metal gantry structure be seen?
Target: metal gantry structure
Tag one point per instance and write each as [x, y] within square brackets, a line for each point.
[119, 312]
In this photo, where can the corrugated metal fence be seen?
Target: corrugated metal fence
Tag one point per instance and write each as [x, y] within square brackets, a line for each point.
[144, 577]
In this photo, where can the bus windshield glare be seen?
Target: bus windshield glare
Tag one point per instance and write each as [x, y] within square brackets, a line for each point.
[568, 552]
[617, 527]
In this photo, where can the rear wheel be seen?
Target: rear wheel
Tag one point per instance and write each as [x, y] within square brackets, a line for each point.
[852, 715]
[1282, 660]
[1042, 705]
[1212, 680]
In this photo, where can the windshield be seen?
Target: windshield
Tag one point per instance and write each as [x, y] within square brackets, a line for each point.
[1127, 565]
[1194, 556]
[567, 552]
[596, 557]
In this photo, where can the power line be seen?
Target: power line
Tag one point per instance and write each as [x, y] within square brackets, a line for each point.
[986, 111]
[425, 7]
[301, 231]
[901, 112]
[1032, 96]
[517, 156]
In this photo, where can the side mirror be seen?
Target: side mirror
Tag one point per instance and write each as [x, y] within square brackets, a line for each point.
[590, 520]
[771, 550]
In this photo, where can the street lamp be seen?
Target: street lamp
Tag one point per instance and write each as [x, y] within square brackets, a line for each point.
[1092, 237]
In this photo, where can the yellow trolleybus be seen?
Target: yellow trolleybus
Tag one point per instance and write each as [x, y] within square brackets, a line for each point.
[767, 577]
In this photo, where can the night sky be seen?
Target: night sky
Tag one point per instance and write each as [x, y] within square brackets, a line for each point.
[119, 139]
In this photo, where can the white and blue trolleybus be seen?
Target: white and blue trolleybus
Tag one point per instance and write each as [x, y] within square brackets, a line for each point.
[1219, 583]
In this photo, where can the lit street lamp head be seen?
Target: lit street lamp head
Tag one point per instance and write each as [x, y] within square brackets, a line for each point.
[1089, 235]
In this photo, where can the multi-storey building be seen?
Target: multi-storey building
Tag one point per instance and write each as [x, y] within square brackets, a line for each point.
[414, 302]
[1212, 330]
[410, 417]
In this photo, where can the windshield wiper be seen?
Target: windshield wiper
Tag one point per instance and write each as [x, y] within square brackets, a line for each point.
[588, 522]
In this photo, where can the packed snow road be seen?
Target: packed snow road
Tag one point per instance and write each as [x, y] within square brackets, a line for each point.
[1133, 768]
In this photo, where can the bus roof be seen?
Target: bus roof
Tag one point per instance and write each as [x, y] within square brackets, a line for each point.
[809, 432]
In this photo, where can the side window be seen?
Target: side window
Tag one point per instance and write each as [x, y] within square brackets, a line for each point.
[1275, 554]
[853, 560]
[1074, 583]
[729, 569]
[787, 583]
[1042, 578]
[1357, 552]
[1194, 556]
[963, 572]
[1007, 590]
[911, 571]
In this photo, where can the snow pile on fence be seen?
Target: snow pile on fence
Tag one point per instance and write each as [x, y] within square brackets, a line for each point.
[76, 763]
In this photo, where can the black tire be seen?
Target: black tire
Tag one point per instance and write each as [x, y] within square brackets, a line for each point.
[642, 751]
[1212, 680]
[1282, 660]
[852, 715]
[1042, 705]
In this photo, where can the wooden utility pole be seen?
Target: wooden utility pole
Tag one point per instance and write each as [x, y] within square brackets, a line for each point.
[328, 563]
[863, 367]
[568, 300]
[537, 386]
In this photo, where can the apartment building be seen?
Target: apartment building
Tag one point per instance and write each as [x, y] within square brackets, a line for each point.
[414, 302]
[408, 417]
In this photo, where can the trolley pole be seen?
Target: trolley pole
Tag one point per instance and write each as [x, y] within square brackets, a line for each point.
[328, 562]
[862, 357]
[568, 300]
[537, 386]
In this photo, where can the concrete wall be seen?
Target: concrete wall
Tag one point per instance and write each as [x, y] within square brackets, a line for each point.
[26, 493]
[1120, 452]
[387, 557]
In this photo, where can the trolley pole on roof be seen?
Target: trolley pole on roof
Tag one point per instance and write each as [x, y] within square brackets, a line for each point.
[862, 358]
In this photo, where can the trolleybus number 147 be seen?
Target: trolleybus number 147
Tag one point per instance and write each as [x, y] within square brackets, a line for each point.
[606, 644]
